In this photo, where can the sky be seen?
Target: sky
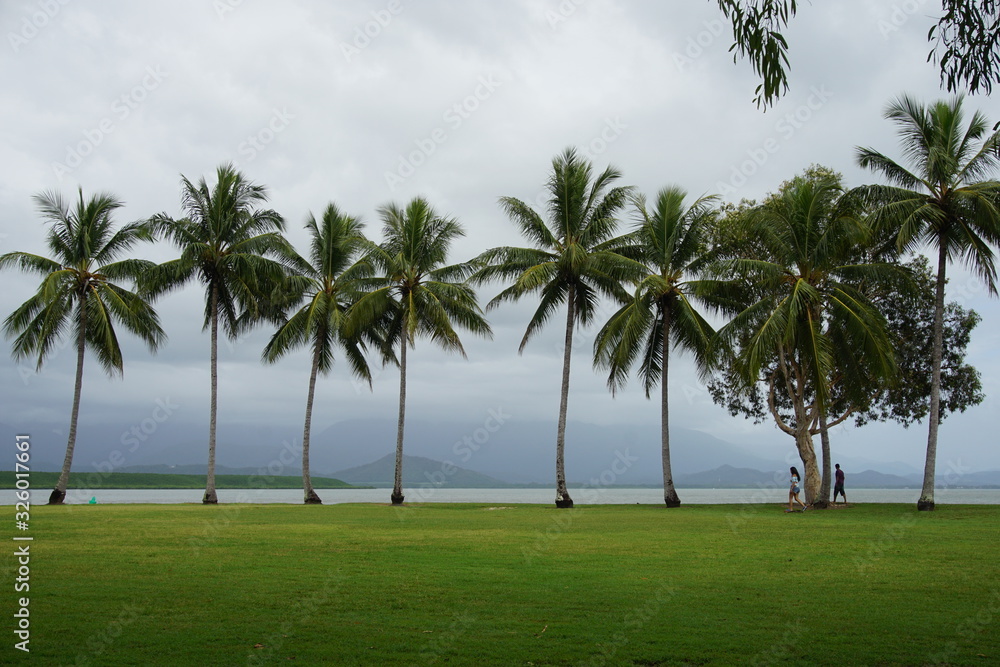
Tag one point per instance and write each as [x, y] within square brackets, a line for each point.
[367, 103]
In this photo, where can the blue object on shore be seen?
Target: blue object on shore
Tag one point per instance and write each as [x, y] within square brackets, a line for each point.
[93, 500]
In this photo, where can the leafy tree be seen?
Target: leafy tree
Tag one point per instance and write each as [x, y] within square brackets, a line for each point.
[236, 251]
[573, 261]
[414, 293]
[909, 315]
[331, 281]
[669, 242]
[81, 294]
[966, 43]
[945, 201]
[757, 37]
[810, 323]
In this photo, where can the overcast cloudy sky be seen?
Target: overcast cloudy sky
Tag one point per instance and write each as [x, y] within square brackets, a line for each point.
[369, 102]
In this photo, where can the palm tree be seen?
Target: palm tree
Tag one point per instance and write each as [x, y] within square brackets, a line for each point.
[330, 281]
[80, 292]
[945, 201]
[227, 244]
[573, 262]
[812, 322]
[670, 243]
[415, 294]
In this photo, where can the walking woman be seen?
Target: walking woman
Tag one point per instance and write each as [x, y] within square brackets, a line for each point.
[793, 491]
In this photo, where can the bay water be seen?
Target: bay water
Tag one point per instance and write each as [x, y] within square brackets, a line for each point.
[431, 494]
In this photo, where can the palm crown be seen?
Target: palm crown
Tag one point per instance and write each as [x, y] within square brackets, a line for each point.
[330, 282]
[946, 199]
[85, 245]
[669, 242]
[574, 254]
[229, 245]
[421, 295]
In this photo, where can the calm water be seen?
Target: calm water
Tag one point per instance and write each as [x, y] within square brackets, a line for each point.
[541, 496]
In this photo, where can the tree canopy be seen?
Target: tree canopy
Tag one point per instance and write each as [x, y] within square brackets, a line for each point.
[965, 44]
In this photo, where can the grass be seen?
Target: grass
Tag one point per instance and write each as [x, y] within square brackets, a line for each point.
[511, 585]
[149, 480]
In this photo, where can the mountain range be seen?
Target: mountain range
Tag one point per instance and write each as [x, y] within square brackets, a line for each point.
[493, 448]
[422, 472]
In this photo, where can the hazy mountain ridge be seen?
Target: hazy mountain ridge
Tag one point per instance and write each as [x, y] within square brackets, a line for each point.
[499, 447]
[418, 471]
[422, 472]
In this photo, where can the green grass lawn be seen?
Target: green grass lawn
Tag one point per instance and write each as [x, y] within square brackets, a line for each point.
[509, 585]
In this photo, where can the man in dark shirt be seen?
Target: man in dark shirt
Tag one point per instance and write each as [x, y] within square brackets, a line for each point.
[838, 486]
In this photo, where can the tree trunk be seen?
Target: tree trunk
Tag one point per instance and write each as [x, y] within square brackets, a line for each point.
[210, 498]
[823, 499]
[397, 484]
[310, 494]
[926, 501]
[811, 483]
[562, 494]
[670, 496]
[58, 495]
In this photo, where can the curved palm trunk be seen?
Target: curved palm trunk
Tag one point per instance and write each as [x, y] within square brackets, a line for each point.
[926, 501]
[210, 498]
[310, 494]
[58, 495]
[823, 499]
[562, 494]
[670, 496]
[397, 484]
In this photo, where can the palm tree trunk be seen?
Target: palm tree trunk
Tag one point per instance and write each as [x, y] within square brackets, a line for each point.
[823, 499]
[58, 495]
[397, 484]
[562, 494]
[210, 498]
[670, 496]
[926, 501]
[310, 494]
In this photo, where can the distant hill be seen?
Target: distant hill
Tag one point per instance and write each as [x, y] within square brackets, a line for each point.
[728, 477]
[201, 469]
[139, 480]
[521, 451]
[418, 472]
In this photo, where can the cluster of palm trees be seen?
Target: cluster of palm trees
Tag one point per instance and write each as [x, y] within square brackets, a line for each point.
[796, 277]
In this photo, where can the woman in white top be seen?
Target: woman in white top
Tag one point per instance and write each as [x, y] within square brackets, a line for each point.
[793, 491]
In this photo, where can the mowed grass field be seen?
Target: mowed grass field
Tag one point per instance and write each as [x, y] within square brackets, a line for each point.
[509, 585]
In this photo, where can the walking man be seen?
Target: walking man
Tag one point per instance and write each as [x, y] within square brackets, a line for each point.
[838, 486]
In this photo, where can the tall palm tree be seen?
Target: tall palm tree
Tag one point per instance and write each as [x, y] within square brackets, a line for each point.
[330, 281]
[415, 293]
[670, 243]
[812, 322]
[944, 200]
[573, 262]
[233, 249]
[81, 293]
